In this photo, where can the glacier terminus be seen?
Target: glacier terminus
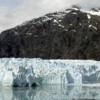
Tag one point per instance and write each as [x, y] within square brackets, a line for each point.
[29, 72]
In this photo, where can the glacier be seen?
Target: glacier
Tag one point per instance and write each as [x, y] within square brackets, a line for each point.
[20, 72]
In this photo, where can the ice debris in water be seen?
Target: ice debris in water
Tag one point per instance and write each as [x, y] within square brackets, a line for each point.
[30, 72]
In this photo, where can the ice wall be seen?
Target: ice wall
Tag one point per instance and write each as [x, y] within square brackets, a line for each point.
[28, 72]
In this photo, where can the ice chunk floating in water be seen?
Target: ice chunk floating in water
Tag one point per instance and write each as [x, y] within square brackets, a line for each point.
[30, 72]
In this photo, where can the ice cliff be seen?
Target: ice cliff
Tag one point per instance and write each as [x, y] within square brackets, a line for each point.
[30, 72]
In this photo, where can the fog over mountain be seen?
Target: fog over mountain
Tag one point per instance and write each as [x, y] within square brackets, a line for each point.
[14, 12]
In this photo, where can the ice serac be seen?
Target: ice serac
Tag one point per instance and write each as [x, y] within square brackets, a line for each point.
[30, 72]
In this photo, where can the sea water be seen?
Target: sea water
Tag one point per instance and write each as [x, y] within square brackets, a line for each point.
[51, 92]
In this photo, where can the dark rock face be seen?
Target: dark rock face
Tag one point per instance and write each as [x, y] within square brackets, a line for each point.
[71, 34]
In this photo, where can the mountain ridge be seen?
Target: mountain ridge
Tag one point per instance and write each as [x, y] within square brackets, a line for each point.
[70, 34]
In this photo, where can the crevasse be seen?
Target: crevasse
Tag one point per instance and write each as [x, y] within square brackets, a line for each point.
[30, 72]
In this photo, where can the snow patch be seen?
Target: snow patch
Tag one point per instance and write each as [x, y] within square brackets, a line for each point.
[74, 30]
[65, 30]
[59, 20]
[67, 11]
[28, 33]
[74, 13]
[70, 24]
[46, 19]
[94, 12]
[93, 27]
[91, 12]
[55, 21]
[61, 26]
[88, 16]
[75, 8]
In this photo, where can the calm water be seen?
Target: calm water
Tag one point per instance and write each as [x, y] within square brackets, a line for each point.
[51, 92]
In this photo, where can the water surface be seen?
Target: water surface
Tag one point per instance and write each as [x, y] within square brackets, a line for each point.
[51, 92]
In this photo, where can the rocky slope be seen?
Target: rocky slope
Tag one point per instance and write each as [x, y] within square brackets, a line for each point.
[71, 34]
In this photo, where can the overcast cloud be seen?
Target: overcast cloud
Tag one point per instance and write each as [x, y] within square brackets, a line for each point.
[14, 12]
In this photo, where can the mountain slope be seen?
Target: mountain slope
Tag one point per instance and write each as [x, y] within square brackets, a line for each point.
[71, 34]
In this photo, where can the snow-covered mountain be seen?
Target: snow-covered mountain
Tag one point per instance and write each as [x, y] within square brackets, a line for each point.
[29, 72]
[69, 34]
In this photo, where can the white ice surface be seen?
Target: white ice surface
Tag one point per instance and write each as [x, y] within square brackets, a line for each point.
[22, 72]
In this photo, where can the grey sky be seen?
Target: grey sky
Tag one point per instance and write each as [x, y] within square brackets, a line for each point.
[14, 12]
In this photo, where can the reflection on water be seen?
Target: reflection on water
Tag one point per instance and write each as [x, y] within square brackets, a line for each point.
[51, 92]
